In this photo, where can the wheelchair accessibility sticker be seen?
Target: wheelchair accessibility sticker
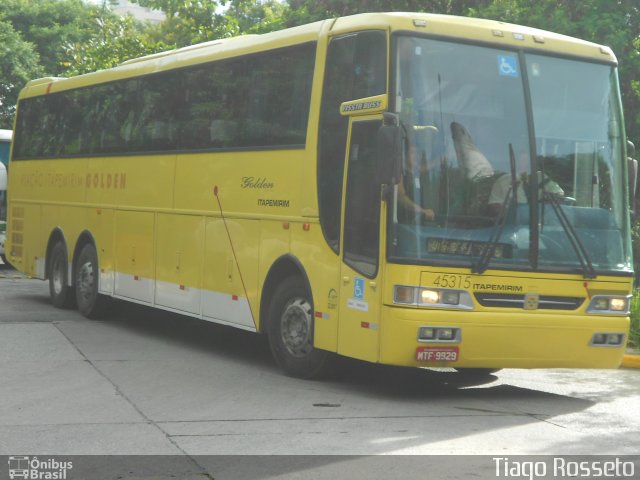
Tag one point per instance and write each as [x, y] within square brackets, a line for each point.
[508, 65]
[358, 288]
[357, 302]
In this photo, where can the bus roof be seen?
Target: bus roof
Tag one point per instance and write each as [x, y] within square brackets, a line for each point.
[444, 26]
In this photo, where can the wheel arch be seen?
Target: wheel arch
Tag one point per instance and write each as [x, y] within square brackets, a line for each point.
[284, 267]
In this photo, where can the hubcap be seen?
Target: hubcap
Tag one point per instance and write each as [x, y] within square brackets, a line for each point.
[295, 325]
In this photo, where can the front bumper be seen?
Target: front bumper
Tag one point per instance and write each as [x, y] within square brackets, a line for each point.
[508, 339]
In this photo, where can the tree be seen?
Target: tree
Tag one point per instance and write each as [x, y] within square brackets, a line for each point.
[19, 63]
[192, 21]
[615, 23]
[50, 24]
[115, 40]
[258, 16]
[305, 11]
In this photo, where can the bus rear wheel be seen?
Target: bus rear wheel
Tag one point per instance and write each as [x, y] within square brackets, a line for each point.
[290, 331]
[62, 295]
[90, 303]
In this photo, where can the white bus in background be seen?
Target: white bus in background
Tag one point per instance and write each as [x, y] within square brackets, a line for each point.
[5, 146]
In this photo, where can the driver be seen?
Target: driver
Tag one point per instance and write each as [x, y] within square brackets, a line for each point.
[503, 185]
[411, 186]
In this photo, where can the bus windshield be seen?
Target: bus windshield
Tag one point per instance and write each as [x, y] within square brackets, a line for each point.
[481, 183]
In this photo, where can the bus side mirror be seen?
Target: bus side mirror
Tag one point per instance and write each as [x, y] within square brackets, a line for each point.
[389, 150]
[632, 166]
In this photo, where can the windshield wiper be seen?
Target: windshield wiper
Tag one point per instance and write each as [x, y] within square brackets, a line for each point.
[583, 257]
[510, 202]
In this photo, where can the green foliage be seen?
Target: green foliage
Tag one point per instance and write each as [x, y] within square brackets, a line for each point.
[19, 62]
[49, 24]
[192, 21]
[613, 23]
[116, 39]
[634, 333]
[258, 16]
[306, 11]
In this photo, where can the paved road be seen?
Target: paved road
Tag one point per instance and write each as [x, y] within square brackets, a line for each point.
[150, 382]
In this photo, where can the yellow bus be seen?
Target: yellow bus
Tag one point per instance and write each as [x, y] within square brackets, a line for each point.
[407, 189]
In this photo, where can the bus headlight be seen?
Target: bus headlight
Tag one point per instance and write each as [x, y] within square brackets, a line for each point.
[618, 304]
[609, 304]
[451, 297]
[404, 295]
[431, 297]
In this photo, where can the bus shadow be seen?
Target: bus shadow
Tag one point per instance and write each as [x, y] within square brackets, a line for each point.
[253, 350]
[345, 374]
[386, 408]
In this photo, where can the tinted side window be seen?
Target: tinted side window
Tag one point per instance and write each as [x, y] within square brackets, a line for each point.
[155, 126]
[277, 90]
[259, 101]
[23, 143]
[356, 68]
[209, 117]
[116, 117]
[255, 101]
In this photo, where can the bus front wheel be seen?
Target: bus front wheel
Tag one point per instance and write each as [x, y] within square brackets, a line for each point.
[290, 331]
[90, 303]
[59, 290]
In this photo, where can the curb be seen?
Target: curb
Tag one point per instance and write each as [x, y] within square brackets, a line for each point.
[631, 361]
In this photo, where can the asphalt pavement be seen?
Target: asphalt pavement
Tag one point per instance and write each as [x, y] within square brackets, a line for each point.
[147, 382]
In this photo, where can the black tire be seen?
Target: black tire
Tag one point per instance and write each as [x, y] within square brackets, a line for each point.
[290, 331]
[90, 303]
[62, 295]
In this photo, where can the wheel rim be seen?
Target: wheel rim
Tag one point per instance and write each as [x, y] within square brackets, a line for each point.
[58, 275]
[84, 280]
[296, 322]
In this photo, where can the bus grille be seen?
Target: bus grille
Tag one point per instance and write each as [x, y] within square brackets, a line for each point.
[545, 302]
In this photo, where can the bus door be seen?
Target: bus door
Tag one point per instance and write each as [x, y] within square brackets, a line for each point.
[360, 304]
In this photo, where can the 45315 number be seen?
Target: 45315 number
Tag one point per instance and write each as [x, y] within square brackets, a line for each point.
[452, 281]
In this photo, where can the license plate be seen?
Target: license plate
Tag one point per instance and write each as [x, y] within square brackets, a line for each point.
[437, 354]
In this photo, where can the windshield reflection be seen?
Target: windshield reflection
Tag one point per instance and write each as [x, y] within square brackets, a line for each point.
[467, 175]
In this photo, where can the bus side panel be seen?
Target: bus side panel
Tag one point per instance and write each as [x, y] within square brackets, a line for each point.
[245, 235]
[180, 247]
[105, 179]
[275, 241]
[55, 186]
[140, 181]
[61, 180]
[224, 297]
[322, 266]
[134, 257]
